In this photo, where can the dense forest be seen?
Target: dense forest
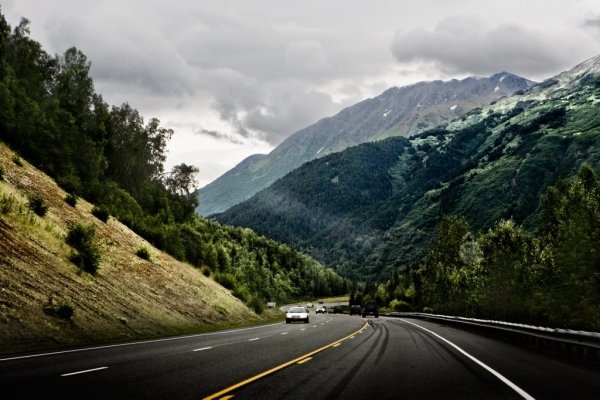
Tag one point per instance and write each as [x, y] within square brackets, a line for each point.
[506, 273]
[373, 209]
[52, 116]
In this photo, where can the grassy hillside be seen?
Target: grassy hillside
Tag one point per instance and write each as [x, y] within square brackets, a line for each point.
[129, 297]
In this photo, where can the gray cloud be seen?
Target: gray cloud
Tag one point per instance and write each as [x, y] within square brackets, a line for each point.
[592, 22]
[290, 105]
[247, 73]
[463, 44]
[219, 135]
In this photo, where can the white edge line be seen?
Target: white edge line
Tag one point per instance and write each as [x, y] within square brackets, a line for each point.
[203, 348]
[497, 374]
[136, 343]
[84, 371]
[253, 339]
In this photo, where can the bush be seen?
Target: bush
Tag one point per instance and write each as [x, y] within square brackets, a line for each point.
[400, 306]
[101, 213]
[257, 305]
[143, 253]
[1, 173]
[7, 202]
[65, 309]
[71, 199]
[17, 160]
[226, 280]
[38, 205]
[82, 238]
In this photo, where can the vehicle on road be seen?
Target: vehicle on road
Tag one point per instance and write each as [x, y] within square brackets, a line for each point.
[310, 305]
[295, 314]
[370, 308]
[320, 310]
[337, 309]
[355, 309]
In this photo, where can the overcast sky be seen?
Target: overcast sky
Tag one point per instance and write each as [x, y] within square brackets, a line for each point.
[236, 77]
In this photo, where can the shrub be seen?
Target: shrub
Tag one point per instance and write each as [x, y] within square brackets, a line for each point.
[82, 238]
[1, 173]
[143, 253]
[38, 205]
[256, 304]
[400, 306]
[101, 213]
[7, 202]
[226, 280]
[71, 199]
[65, 309]
[17, 160]
[241, 293]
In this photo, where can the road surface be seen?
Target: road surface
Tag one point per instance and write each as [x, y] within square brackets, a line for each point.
[333, 356]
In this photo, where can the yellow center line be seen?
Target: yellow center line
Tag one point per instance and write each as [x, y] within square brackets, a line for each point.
[336, 345]
[307, 359]
[281, 366]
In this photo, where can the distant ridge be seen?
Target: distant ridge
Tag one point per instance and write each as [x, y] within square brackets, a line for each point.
[395, 112]
[374, 208]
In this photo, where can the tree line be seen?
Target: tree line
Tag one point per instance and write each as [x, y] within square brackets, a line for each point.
[550, 277]
[51, 115]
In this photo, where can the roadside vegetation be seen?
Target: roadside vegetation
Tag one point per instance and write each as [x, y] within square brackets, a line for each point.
[52, 117]
[549, 278]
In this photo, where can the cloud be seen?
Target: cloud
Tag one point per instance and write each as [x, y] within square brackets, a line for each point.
[592, 22]
[219, 135]
[287, 106]
[469, 45]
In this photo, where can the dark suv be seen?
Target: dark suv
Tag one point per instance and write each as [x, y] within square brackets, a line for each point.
[355, 309]
[370, 308]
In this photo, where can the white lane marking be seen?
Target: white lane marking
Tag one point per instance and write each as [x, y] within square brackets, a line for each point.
[284, 333]
[302, 329]
[322, 323]
[136, 343]
[497, 374]
[253, 339]
[203, 348]
[84, 371]
[314, 326]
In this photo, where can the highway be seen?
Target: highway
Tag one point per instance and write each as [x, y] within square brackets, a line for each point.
[332, 357]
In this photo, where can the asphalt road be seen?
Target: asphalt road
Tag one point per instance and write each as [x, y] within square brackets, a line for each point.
[334, 356]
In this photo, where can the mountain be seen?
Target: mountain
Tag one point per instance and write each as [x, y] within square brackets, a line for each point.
[395, 112]
[374, 207]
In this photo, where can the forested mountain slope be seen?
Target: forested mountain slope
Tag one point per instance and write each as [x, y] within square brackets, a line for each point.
[373, 208]
[51, 118]
[395, 112]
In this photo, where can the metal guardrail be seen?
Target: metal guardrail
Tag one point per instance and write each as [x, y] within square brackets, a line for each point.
[579, 344]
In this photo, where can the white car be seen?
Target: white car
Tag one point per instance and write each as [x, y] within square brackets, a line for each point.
[294, 314]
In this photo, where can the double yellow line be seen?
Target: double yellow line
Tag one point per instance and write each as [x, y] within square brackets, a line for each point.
[300, 359]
